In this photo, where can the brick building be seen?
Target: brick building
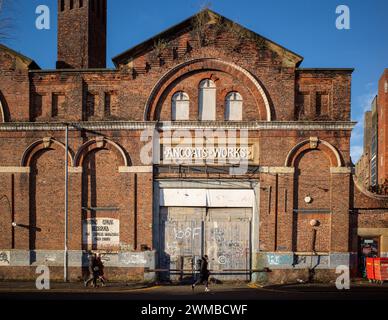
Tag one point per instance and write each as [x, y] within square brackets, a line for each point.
[207, 138]
[382, 149]
[372, 167]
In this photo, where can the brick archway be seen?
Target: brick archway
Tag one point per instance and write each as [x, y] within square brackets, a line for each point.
[41, 144]
[100, 143]
[315, 144]
[265, 110]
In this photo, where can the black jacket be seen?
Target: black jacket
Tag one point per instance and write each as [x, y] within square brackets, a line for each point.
[204, 266]
[92, 264]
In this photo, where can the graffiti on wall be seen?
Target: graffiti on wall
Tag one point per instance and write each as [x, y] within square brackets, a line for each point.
[136, 258]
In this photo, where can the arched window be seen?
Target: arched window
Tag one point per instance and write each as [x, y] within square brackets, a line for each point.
[207, 100]
[180, 106]
[233, 106]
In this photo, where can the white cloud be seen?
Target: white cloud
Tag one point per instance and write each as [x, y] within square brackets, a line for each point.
[356, 152]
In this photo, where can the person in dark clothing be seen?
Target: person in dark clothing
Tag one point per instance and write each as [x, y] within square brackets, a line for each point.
[203, 274]
[100, 265]
[93, 270]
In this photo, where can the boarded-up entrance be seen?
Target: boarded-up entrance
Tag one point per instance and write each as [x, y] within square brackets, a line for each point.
[187, 233]
[227, 239]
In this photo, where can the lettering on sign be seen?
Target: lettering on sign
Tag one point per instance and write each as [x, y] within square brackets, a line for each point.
[207, 153]
[101, 233]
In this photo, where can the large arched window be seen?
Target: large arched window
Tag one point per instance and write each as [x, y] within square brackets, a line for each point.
[233, 106]
[180, 106]
[207, 100]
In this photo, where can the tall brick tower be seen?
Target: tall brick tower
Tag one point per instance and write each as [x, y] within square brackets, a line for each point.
[382, 110]
[82, 34]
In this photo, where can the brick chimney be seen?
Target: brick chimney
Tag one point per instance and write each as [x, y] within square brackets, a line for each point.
[82, 34]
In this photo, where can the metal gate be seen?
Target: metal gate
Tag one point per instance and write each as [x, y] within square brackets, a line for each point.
[187, 233]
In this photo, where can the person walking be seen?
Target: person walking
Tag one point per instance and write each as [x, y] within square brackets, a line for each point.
[204, 274]
[100, 265]
[93, 270]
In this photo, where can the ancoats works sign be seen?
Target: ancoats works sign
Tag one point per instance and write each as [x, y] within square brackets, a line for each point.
[214, 153]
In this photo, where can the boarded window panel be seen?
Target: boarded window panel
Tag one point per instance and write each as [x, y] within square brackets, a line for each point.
[180, 106]
[233, 107]
[207, 100]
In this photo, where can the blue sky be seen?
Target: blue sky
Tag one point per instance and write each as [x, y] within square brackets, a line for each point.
[306, 27]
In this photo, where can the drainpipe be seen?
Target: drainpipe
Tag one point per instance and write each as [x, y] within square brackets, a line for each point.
[65, 256]
[276, 212]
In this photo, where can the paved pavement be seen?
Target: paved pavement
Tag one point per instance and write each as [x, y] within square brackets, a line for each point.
[229, 291]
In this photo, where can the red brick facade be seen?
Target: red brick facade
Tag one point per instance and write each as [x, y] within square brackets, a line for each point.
[298, 122]
[382, 124]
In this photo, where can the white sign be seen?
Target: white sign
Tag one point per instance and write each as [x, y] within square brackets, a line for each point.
[103, 233]
[5, 257]
[225, 153]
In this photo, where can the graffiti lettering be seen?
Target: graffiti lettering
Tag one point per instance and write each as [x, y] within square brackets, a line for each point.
[187, 233]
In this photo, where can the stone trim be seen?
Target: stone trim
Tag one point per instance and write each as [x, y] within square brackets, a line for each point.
[75, 169]
[44, 143]
[312, 144]
[136, 169]
[15, 169]
[173, 71]
[340, 170]
[99, 142]
[103, 125]
[168, 125]
[280, 170]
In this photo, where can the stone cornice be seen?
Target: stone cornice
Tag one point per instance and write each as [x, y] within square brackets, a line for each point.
[189, 125]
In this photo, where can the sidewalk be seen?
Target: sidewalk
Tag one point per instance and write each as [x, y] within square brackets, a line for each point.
[356, 284]
[122, 287]
[29, 286]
